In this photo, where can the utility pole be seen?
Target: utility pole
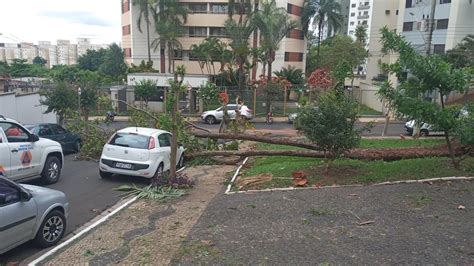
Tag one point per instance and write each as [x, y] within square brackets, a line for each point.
[431, 26]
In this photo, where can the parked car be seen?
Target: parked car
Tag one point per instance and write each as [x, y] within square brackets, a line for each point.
[427, 129]
[68, 140]
[30, 213]
[23, 155]
[217, 115]
[138, 151]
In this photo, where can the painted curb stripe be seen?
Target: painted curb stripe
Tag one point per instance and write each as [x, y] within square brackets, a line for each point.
[235, 176]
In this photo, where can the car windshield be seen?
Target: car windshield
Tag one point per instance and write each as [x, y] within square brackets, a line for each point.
[130, 140]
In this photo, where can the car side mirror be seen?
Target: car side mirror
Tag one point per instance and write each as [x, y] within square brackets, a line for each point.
[34, 138]
[24, 195]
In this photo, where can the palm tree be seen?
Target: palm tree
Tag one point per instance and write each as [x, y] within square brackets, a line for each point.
[199, 52]
[239, 34]
[273, 23]
[169, 21]
[361, 34]
[294, 75]
[321, 13]
[144, 7]
[235, 6]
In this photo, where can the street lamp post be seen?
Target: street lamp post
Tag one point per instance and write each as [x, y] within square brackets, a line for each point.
[79, 101]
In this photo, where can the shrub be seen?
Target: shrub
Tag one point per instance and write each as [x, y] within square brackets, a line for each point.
[331, 124]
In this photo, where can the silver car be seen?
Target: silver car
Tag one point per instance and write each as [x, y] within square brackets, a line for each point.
[214, 116]
[30, 213]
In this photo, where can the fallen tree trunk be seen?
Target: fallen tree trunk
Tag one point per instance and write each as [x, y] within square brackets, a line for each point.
[361, 154]
[279, 141]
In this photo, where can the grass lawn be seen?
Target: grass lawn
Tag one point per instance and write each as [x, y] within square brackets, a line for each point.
[347, 171]
[365, 110]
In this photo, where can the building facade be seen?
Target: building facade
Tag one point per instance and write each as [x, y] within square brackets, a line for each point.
[453, 20]
[206, 19]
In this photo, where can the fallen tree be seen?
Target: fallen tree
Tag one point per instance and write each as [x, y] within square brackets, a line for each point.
[270, 140]
[361, 154]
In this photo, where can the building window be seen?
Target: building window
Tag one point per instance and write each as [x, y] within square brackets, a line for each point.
[364, 22]
[293, 57]
[366, 13]
[125, 6]
[192, 56]
[198, 8]
[197, 31]
[219, 8]
[351, 32]
[126, 30]
[438, 48]
[408, 26]
[352, 23]
[353, 14]
[353, 5]
[217, 32]
[396, 12]
[444, 1]
[366, 4]
[408, 3]
[127, 52]
[293, 9]
[178, 54]
[295, 34]
[387, 12]
[442, 24]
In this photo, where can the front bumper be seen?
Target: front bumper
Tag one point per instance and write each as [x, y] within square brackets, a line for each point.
[409, 130]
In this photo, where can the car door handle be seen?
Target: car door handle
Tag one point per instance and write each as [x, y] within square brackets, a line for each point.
[14, 150]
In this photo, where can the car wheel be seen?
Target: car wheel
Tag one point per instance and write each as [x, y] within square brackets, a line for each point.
[424, 133]
[77, 146]
[104, 174]
[181, 162]
[51, 230]
[51, 170]
[159, 171]
[210, 120]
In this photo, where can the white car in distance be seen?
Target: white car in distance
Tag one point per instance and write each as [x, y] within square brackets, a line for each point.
[138, 151]
[213, 116]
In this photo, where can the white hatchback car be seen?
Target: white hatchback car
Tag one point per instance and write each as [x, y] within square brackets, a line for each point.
[138, 151]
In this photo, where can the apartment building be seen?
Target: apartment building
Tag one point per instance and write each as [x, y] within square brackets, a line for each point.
[453, 20]
[360, 14]
[63, 53]
[206, 19]
[373, 14]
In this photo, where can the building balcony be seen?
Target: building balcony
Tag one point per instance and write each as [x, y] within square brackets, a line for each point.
[363, 17]
[363, 7]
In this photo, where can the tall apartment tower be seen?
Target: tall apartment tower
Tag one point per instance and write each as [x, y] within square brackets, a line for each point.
[360, 14]
[205, 19]
[453, 20]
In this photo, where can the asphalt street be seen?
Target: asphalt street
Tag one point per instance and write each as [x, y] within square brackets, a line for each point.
[88, 196]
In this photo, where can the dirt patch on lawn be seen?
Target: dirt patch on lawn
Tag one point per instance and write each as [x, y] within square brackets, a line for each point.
[147, 232]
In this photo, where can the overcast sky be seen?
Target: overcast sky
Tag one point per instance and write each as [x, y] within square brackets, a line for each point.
[49, 20]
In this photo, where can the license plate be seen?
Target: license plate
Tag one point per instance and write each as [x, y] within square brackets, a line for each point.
[123, 165]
